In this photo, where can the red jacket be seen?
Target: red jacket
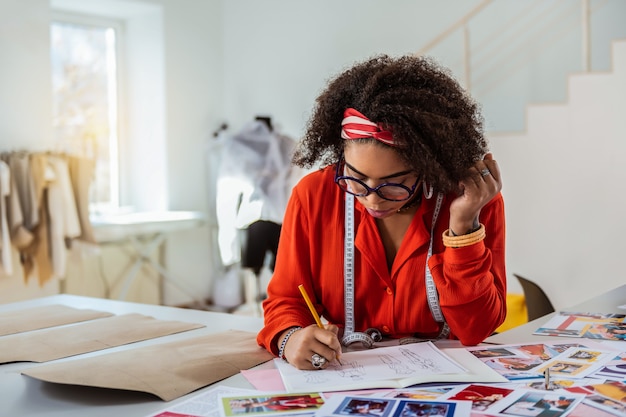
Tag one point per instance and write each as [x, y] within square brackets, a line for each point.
[471, 280]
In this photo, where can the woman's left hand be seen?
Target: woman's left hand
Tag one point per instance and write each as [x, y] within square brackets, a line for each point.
[481, 184]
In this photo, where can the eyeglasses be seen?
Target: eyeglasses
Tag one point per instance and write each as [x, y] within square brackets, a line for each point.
[388, 190]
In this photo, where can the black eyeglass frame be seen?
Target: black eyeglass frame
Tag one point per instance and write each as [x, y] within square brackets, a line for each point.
[370, 190]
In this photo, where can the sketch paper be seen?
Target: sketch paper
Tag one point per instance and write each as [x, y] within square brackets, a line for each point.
[389, 367]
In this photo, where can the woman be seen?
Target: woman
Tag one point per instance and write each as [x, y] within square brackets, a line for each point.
[401, 232]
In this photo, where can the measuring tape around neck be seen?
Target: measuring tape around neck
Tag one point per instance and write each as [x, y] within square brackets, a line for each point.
[370, 336]
[349, 335]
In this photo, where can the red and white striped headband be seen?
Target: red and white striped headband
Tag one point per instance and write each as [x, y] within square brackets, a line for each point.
[355, 126]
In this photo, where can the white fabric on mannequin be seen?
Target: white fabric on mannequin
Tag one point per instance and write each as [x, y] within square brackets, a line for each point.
[253, 183]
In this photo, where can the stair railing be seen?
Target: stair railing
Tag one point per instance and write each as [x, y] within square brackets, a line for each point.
[463, 24]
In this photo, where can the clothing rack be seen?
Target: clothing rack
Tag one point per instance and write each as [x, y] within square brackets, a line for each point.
[44, 206]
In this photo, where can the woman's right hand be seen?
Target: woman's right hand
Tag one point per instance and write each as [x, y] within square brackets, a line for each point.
[306, 342]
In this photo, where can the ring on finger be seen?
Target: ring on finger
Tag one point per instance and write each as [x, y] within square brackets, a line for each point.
[317, 361]
[485, 172]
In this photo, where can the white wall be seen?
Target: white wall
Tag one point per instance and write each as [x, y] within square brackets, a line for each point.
[563, 188]
[280, 53]
[229, 60]
[25, 105]
[194, 71]
[143, 108]
[26, 99]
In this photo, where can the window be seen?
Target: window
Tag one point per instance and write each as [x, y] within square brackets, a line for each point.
[85, 86]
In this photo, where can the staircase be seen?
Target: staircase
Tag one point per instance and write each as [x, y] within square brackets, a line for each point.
[508, 54]
[564, 188]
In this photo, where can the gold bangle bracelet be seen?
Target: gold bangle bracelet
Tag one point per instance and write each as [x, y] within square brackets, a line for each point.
[463, 240]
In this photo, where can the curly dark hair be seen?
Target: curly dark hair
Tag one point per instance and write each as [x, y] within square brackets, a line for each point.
[438, 125]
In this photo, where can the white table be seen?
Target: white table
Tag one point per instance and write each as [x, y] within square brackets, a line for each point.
[22, 396]
[145, 232]
[604, 303]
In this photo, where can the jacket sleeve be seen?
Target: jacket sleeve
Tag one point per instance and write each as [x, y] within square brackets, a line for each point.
[471, 280]
[284, 306]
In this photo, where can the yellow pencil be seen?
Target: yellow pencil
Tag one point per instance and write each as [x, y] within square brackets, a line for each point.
[310, 305]
[313, 310]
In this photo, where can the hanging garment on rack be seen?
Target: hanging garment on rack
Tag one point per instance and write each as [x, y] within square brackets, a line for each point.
[5, 234]
[45, 205]
[23, 212]
[35, 256]
[81, 175]
[64, 222]
[20, 237]
[20, 165]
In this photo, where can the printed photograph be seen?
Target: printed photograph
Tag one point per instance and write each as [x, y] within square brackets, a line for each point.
[587, 325]
[554, 384]
[596, 316]
[271, 404]
[539, 351]
[585, 355]
[425, 409]
[492, 353]
[538, 404]
[585, 410]
[544, 331]
[566, 368]
[515, 368]
[613, 370]
[426, 393]
[562, 347]
[608, 404]
[364, 407]
[615, 390]
[481, 396]
[608, 331]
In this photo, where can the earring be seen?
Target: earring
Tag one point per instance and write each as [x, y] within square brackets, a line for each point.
[428, 193]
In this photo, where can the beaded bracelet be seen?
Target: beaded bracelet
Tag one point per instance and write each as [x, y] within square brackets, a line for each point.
[463, 240]
[281, 350]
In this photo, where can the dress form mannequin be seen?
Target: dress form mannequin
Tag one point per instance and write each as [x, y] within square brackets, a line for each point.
[255, 181]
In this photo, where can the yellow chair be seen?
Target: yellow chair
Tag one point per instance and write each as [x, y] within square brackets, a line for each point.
[516, 312]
